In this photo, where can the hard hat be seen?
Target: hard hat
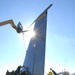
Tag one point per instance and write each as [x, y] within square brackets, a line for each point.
[50, 73]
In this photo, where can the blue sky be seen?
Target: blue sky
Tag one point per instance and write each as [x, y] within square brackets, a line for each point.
[60, 44]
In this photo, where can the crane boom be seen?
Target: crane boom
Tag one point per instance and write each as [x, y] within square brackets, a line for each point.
[9, 22]
[18, 28]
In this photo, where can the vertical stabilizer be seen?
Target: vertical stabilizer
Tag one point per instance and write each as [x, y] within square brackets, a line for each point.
[35, 56]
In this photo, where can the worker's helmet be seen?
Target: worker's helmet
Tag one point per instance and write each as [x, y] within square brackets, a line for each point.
[50, 73]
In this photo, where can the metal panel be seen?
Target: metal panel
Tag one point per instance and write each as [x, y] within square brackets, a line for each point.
[35, 55]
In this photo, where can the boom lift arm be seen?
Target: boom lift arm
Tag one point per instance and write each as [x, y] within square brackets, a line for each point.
[18, 28]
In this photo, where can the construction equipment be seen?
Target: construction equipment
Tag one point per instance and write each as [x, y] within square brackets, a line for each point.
[18, 28]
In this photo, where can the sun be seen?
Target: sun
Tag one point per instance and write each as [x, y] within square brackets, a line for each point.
[30, 34]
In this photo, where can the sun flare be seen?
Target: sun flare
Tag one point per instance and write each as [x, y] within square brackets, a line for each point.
[30, 32]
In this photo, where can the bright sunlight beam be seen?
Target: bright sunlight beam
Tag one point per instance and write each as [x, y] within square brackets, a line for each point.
[30, 32]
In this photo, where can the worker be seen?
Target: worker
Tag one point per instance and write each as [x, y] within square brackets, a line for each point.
[24, 70]
[50, 73]
[18, 69]
[7, 73]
